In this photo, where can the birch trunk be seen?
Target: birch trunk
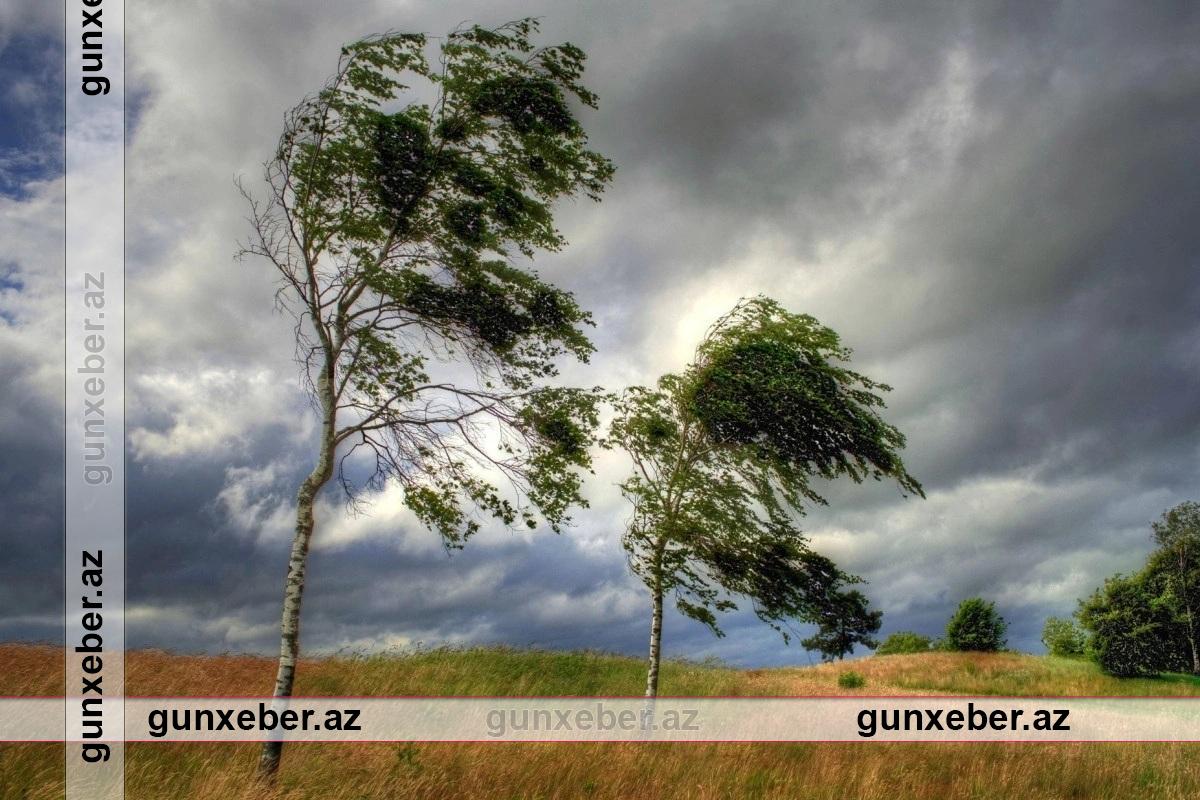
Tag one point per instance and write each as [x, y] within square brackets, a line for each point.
[656, 589]
[293, 592]
[1191, 620]
[655, 641]
[1191, 637]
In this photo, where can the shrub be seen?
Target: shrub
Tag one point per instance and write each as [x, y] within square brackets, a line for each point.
[976, 626]
[904, 642]
[1064, 638]
[851, 680]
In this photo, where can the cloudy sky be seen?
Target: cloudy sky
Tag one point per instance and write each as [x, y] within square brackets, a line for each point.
[995, 205]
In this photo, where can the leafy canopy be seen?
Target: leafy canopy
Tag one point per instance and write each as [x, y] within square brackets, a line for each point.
[1064, 638]
[396, 223]
[844, 620]
[1176, 562]
[902, 642]
[1178, 529]
[1145, 623]
[720, 471]
[976, 626]
[772, 384]
[1131, 633]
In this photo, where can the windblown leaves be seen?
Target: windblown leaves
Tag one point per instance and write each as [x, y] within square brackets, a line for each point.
[396, 219]
[724, 458]
[769, 381]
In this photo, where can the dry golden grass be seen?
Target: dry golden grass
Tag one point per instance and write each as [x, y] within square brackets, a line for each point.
[633, 772]
[624, 771]
[1004, 674]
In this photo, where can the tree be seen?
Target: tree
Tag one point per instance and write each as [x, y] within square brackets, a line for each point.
[724, 455]
[976, 626]
[425, 347]
[1064, 638]
[844, 622]
[1177, 534]
[1132, 633]
[1145, 624]
[903, 642]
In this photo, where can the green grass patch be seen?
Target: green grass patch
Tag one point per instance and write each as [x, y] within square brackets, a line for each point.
[1024, 675]
[851, 680]
[487, 671]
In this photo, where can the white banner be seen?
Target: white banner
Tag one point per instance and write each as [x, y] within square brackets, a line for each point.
[94, 555]
[621, 719]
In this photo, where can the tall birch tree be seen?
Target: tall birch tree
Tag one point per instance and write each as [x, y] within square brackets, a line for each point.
[399, 231]
[1177, 561]
[724, 460]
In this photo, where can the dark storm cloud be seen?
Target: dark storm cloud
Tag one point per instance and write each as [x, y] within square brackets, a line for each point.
[31, 458]
[993, 203]
[31, 469]
[738, 126]
[197, 569]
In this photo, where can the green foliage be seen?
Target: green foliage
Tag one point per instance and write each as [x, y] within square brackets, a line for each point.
[976, 626]
[1064, 638]
[1176, 564]
[506, 671]
[851, 680]
[902, 642]
[714, 507]
[392, 225]
[1146, 623]
[772, 383]
[844, 620]
[1133, 633]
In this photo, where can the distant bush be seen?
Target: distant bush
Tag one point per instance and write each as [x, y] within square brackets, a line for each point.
[904, 642]
[1064, 638]
[851, 680]
[976, 626]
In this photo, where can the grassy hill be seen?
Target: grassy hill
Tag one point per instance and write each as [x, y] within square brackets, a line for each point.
[703, 772]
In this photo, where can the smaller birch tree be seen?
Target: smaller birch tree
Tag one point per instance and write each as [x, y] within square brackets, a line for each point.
[724, 457]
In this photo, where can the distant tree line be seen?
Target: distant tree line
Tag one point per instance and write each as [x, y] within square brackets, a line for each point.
[975, 626]
[1135, 625]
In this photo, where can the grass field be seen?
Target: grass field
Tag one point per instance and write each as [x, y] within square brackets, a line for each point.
[525, 772]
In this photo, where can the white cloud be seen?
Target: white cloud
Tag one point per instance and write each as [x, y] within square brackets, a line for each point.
[212, 411]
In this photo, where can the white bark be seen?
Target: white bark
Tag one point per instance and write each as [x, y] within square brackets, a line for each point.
[656, 589]
[293, 593]
[1187, 604]
[655, 640]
